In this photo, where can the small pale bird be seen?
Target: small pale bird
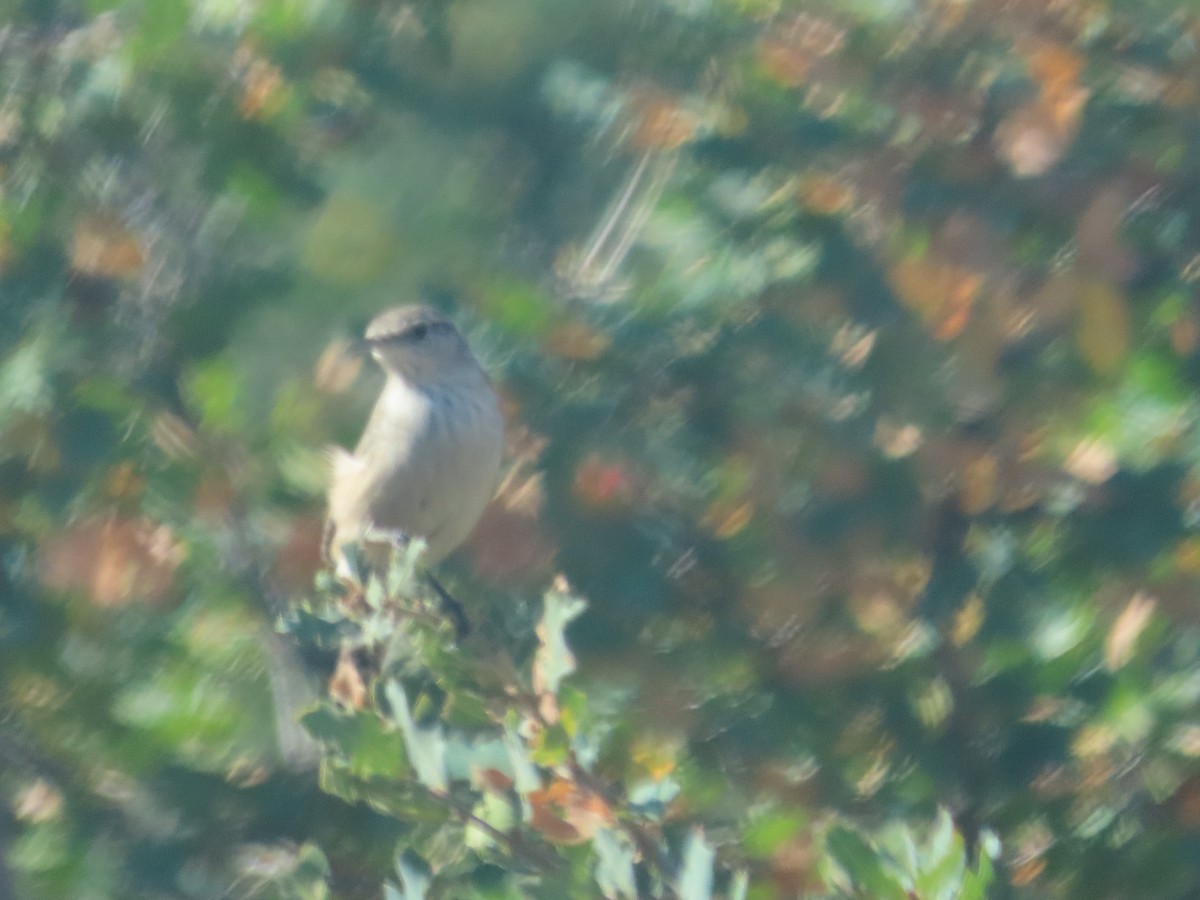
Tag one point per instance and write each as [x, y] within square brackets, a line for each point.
[429, 459]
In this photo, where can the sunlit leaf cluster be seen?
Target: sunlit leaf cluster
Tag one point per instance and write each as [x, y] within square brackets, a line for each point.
[847, 541]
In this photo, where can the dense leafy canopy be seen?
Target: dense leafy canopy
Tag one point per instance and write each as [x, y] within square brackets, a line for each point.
[849, 538]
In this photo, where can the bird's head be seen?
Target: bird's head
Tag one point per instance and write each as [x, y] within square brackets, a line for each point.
[419, 344]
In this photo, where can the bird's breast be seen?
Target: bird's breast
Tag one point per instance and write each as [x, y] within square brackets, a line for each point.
[437, 453]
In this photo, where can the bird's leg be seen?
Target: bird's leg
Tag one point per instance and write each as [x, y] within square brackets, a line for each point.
[451, 608]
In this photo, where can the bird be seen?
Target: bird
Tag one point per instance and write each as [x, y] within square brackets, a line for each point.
[428, 460]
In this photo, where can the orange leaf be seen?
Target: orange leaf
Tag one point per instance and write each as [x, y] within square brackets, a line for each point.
[566, 813]
[941, 293]
[1055, 68]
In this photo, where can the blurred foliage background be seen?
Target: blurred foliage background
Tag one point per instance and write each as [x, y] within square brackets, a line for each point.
[849, 538]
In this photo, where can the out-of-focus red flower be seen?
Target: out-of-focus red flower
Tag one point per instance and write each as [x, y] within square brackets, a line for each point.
[602, 485]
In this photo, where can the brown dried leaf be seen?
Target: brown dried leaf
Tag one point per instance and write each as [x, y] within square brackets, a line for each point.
[662, 123]
[574, 340]
[1125, 631]
[491, 780]
[968, 620]
[102, 246]
[113, 560]
[978, 489]
[1055, 67]
[346, 686]
[264, 91]
[1027, 872]
[123, 482]
[792, 46]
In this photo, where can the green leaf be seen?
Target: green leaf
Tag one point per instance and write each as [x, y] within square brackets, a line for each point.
[696, 875]
[25, 376]
[555, 661]
[403, 800]
[525, 773]
[496, 811]
[426, 746]
[768, 832]
[975, 884]
[520, 308]
[415, 877]
[214, 390]
[944, 862]
[863, 865]
[467, 710]
[615, 854]
[551, 747]
[310, 876]
[739, 888]
[363, 746]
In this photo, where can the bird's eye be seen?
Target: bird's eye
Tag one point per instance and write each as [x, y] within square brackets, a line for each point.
[418, 332]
